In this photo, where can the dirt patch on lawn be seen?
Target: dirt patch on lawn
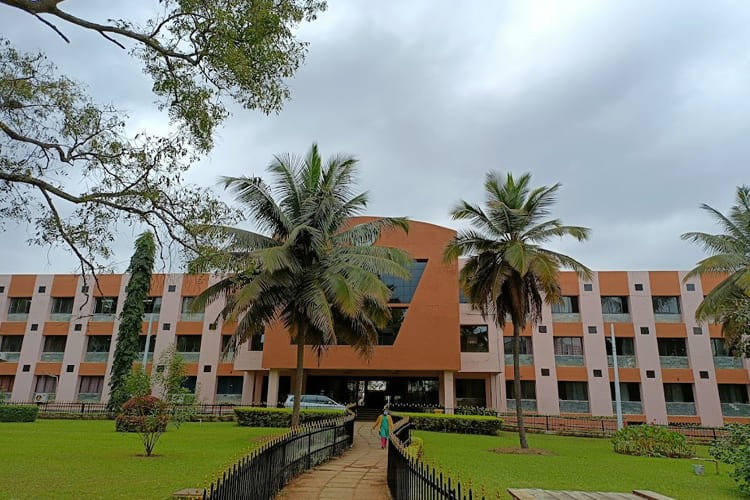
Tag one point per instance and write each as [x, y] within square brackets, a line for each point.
[521, 451]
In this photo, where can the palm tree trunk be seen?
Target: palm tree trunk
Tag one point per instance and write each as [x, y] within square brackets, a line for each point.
[300, 373]
[517, 385]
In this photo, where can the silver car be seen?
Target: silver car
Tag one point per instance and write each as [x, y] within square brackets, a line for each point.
[314, 402]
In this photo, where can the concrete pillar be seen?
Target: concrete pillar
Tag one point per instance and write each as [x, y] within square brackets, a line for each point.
[449, 392]
[272, 398]
[248, 387]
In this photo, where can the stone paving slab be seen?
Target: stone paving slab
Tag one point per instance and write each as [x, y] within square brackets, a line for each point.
[357, 474]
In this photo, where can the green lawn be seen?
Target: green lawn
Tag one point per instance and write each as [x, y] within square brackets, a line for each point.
[579, 464]
[88, 459]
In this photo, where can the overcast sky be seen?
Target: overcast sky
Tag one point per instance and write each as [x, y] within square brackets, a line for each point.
[640, 109]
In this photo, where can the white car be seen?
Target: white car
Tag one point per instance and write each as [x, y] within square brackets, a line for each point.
[313, 402]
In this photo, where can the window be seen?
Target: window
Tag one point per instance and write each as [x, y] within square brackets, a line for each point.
[11, 343]
[62, 305]
[672, 347]
[666, 305]
[650, 374]
[474, 338]
[573, 391]
[45, 383]
[99, 343]
[639, 287]
[470, 393]
[256, 342]
[188, 313]
[188, 343]
[54, 343]
[678, 393]
[189, 383]
[525, 346]
[152, 306]
[568, 346]
[229, 385]
[592, 329]
[462, 297]
[629, 391]
[542, 328]
[614, 305]
[623, 345]
[690, 287]
[6, 383]
[91, 385]
[402, 291]
[142, 343]
[597, 373]
[719, 348]
[587, 287]
[19, 306]
[728, 393]
[644, 330]
[105, 305]
[568, 305]
[528, 389]
[387, 336]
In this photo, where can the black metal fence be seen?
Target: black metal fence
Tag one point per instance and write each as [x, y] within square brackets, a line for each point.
[410, 479]
[263, 473]
[83, 409]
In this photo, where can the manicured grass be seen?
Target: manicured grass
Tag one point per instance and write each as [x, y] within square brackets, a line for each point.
[586, 464]
[88, 459]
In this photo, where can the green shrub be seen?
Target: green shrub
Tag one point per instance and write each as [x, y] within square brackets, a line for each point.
[735, 450]
[279, 417]
[414, 450]
[18, 413]
[651, 441]
[465, 424]
[475, 410]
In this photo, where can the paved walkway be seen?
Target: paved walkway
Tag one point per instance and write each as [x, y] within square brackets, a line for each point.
[357, 474]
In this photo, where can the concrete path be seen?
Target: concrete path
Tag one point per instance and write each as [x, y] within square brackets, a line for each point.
[357, 474]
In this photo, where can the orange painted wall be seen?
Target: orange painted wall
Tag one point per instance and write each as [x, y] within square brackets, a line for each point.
[572, 373]
[727, 376]
[567, 329]
[22, 285]
[188, 328]
[621, 329]
[664, 282]
[527, 372]
[8, 368]
[157, 285]
[671, 330]
[13, 327]
[193, 284]
[709, 281]
[56, 327]
[92, 369]
[433, 315]
[626, 374]
[109, 285]
[568, 281]
[100, 328]
[672, 375]
[613, 283]
[48, 368]
[64, 285]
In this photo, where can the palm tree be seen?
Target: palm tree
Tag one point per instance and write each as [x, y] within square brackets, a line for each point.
[307, 265]
[508, 273]
[729, 302]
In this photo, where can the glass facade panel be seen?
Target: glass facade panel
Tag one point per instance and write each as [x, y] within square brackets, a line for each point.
[387, 336]
[624, 346]
[11, 343]
[189, 343]
[402, 291]
[666, 305]
[614, 305]
[733, 393]
[62, 305]
[229, 385]
[19, 305]
[525, 346]
[678, 393]
[474, 338]
[629, 391]
[568, 305]
[105, 305]
[528, 389]
[568, 346]
[573, 391]
[99, 343]
[672, 347]
[471, 392]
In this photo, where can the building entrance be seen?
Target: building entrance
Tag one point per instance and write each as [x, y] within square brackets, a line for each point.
[377, 392]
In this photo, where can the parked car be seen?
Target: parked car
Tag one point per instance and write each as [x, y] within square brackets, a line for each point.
[314, 402]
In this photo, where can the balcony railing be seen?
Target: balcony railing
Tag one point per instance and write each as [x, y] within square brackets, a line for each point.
[528, 405]
[96, 357]
[574, 406]
[228, 398]
[680, 408]
[41, 396]
[566, 317]
[616, 317]
[52, 357]
[668, 318]
[189, 357]
[735, 409]
[629, 407]
[103, 318]
[524, 359]
[188, 316]
[60, 316]
[10, 356]
[89, 397]
[568, 360]
[18, 316]
[228, 357]
[622, 361]
[674, 361]
[727, 362]
[150, 357]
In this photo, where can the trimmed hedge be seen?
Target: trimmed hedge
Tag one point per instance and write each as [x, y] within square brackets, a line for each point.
[18, 413]
[651, 441]
[463, 424]
[280, 417]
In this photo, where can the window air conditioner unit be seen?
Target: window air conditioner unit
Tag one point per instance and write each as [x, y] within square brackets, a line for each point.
[41, 397]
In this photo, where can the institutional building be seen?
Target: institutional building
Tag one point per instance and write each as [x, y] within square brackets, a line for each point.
[57, 339]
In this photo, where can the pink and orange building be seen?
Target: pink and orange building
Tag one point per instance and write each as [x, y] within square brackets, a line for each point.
[57, 338]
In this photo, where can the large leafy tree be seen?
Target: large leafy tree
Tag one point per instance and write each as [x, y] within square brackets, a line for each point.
[507, 272]
[68, 165]
[131, 318]
[307, 265]
[729, 302]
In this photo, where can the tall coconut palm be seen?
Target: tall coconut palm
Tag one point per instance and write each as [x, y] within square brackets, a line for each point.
[507, 272]
[307, 265]
[729, 302]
